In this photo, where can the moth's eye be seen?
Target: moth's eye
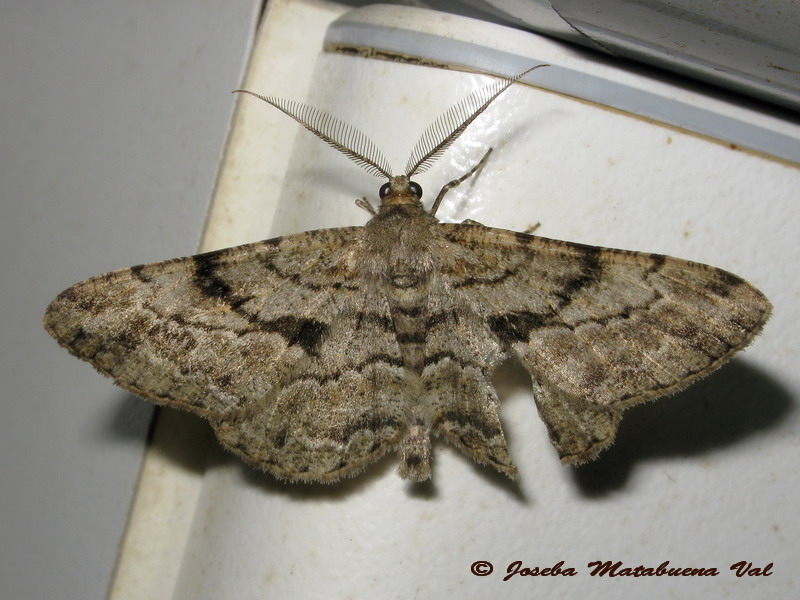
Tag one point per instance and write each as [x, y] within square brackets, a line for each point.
[415, 188]
[384, 190]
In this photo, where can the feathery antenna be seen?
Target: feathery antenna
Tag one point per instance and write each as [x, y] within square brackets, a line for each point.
[351, 142]
[340, 135]
[440, 135]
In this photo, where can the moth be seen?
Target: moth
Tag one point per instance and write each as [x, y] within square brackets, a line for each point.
[313, 355]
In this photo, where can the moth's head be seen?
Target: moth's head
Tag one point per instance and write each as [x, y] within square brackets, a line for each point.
[400, 190]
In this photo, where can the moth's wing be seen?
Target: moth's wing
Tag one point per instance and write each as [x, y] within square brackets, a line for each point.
[599, 329]
[279, 344]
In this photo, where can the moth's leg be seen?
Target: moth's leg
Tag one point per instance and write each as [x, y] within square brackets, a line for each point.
[459, 181]
[366, 205]
[529, 230]
[532, 228]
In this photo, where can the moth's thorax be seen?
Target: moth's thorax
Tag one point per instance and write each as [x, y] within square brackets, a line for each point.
[399, 244]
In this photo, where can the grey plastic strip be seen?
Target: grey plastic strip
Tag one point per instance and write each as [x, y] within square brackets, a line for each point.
[734, 128]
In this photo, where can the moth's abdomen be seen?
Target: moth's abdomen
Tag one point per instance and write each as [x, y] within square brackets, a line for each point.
[409, 311]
